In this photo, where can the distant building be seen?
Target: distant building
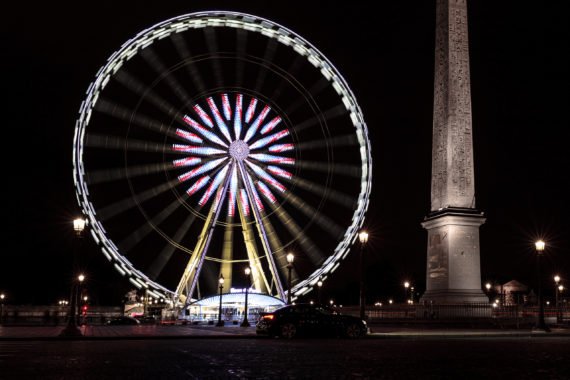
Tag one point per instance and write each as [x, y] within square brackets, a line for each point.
[514, 293]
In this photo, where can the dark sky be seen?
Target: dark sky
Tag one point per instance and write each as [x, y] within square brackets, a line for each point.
[520, 82]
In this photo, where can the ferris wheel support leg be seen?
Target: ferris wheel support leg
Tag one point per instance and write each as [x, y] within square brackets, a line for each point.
[259, 279]
[262, 233]
[189, 279]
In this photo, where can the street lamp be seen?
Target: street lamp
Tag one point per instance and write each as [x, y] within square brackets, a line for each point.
[245, 322]
[406, 287]
[412, 296]
[363, 237]
[221, 283]
[319, 286]
[290, 259]
[539, 245]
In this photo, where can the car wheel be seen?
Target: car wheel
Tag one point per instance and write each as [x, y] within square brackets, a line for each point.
[353, 331]
[288, 330]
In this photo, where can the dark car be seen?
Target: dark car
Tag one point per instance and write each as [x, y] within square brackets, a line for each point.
[124, 320]
[313, 320]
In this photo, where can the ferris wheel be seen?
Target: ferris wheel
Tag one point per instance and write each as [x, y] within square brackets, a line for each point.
[216, 141]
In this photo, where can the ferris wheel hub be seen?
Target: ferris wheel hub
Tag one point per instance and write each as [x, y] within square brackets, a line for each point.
[239, 150]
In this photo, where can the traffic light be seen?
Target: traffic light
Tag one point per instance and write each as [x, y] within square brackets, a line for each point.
[84, 309]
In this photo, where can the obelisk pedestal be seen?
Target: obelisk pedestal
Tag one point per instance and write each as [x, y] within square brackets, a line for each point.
[453, 265]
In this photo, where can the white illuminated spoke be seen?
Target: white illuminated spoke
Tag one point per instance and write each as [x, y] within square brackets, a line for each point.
[204, 116]
[272, 124]
[266, 177]
[200, 183]
[279, 172]
[244, 201]
[256, 198]
[253, 128]
[227, 107]
[188, 161]
[279, 148]
[233, 192]
[200, 169]
[213, 185]
[189, 136]
[203, 131]
[218, 117]
[238, 116]
[272, 159]
[204, 151]
[266, 192]
[250, 110]
[269, 139]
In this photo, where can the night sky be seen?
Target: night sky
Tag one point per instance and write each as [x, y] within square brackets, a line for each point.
[520, 99]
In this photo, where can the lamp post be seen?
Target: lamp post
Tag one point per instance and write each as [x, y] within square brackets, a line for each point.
[319, 286]
[290, 259]
[556, 281]
[221, 283]
[541, 325]
[363, 237]
[245, 322]
[2, 297]
[71, 327]
[412, 295]
[406, 287]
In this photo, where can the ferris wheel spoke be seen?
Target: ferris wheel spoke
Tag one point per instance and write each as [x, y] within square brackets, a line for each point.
[125, 204]
[309, 247]
[269, 56]
[184, 53]
[337, 142]
[320, 190]
[154, 61]
[148, 226]
[241, 44]
[121, 112]
[314, 90]
[342, 169]
[109, 175]
[227, 253]
[292, 70]
[158, 264]
[120, 143]
[212, 44]
[145, 92]
[329, 114]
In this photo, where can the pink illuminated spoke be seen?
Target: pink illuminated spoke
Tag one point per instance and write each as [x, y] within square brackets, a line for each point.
[233, 193]
[200, 169]
[213, 185]
[266, 177]
[238, 116]
[250, 110]
[203, 131]
[204, 151]
[189, 136]
[204, 116]
[253, 128]
[227, 107]
[269, 139]
[272, 124]
[244, 202]
[266, 192]
[256, 198]
[218, 117]
[279, 172]
[272, 159]
[279, 148]
[200, 183]
[188, 161]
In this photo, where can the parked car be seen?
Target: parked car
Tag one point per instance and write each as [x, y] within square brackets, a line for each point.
[123, 320]
[306, 319]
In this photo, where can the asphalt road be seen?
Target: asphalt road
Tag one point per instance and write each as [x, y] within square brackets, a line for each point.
[476, 358]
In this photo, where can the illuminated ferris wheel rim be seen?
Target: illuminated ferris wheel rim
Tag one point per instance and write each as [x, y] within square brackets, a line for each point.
[249, 23]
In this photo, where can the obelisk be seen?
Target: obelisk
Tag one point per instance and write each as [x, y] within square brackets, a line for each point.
[453, 267]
